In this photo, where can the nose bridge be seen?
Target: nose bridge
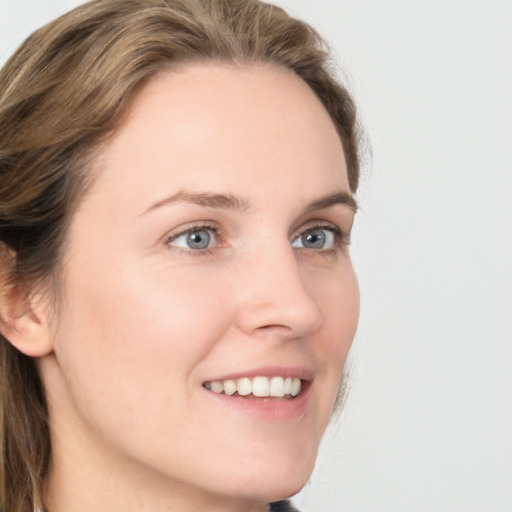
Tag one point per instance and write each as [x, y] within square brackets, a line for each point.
[275, 296]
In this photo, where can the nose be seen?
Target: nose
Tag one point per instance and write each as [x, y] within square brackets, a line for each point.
[275, 300]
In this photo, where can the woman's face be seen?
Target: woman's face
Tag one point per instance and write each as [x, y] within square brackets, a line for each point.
[211, 248]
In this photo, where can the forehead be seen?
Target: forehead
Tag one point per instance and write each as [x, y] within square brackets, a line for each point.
[214, 125]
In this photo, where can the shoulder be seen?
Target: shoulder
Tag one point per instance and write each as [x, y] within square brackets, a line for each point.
[281, 506]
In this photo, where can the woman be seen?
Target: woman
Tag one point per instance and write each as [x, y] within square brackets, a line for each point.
[178, 301]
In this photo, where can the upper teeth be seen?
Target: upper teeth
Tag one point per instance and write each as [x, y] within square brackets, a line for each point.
[258, 386]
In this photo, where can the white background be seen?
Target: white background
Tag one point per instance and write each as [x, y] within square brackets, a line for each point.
[428, 427]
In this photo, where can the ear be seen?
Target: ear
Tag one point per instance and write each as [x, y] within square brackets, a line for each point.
[23, 317]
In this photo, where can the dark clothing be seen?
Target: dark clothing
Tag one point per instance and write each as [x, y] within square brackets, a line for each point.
[282, 506]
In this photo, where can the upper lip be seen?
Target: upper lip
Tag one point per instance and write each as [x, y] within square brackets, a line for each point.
[301, 372]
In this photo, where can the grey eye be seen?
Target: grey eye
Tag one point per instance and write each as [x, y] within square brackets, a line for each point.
[196, 239]
[316, 238]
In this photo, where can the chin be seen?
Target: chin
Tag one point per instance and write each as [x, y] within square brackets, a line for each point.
[286, 487]
[280, 477]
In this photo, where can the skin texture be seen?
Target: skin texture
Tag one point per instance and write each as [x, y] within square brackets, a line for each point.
[146, 320]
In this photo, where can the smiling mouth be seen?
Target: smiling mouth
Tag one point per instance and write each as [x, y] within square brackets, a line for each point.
[259, 387]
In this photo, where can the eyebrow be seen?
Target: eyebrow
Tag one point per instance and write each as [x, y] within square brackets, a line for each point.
[333, 199]
[209, 200]
[236, 203]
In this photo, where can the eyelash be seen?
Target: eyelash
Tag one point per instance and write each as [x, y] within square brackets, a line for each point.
[216, 230]
[341, 239]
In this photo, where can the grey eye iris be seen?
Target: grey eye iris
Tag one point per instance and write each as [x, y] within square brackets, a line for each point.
[314, 239]
[198, 239]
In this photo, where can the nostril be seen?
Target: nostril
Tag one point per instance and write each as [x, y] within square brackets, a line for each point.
[274, 330]
[281, 321]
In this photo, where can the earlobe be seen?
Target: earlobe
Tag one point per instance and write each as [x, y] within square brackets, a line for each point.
[23, 318]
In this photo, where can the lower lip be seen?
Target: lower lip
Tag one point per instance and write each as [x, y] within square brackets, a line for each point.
[268, 410]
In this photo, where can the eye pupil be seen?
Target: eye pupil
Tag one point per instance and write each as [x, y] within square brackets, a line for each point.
[198, 239]
[314, 239]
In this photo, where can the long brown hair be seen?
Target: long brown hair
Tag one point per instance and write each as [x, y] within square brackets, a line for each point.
[61, 93]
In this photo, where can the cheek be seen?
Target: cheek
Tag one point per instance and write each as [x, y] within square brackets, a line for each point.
[139, 313]
[130, 345]
[337, 296]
